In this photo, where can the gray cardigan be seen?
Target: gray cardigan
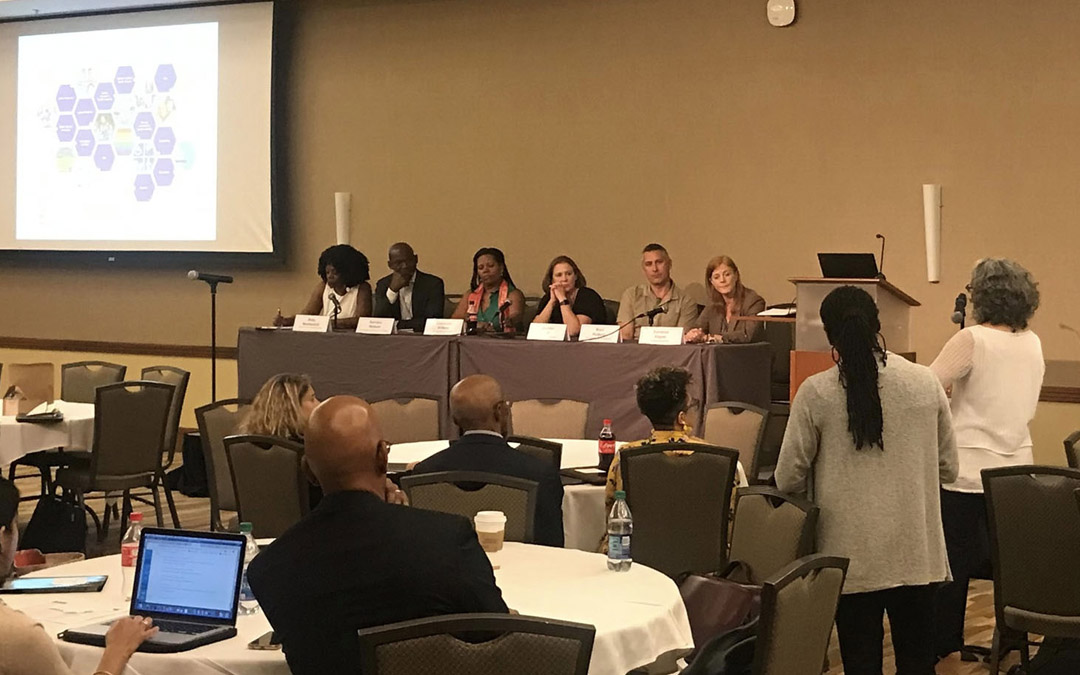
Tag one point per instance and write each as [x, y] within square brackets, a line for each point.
[880, 508]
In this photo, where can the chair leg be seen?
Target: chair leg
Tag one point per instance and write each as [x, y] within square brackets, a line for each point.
[157, 506]
[105, 517]
[172, 506]
[80, 499]
[1025, 655]
[125, 513]
[995, 651]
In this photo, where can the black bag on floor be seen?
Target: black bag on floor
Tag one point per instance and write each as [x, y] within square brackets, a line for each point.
[58, 525]
[190, 479]
[729, 654]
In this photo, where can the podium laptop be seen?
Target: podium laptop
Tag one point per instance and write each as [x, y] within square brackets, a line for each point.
[188, 583]
[848, 265]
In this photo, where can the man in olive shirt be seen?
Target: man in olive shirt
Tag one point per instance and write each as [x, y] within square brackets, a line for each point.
[659, 289]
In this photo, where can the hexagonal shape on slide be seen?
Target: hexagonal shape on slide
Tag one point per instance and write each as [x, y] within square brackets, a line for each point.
[65, 98]
[84, 142]
[84, 112]
[125, 79]
[104, 157]
[144, 187]
[164, 140]
[163, 172]
[144, 125]
[165, 77]
[65, 128]
[105, 96]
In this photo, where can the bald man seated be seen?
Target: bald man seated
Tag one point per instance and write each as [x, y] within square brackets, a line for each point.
[407, 294]
[478, 408]
[357, 561]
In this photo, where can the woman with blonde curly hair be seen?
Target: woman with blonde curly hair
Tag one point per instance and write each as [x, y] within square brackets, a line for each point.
[281, 408]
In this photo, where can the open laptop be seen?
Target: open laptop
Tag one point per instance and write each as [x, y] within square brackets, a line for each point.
[188, 582]
[848, 265]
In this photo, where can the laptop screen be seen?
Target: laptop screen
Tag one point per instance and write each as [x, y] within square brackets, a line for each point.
[194, 577]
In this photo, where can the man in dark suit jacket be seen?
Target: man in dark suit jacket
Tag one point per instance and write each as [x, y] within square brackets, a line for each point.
[478, 408]
[408, 295]
[357, 561]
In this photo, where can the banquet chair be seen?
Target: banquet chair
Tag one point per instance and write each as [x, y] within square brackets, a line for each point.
[549, 418]
[270, 486]
[466, 492]
[732, 424]
[130, 424]
[179, 379]
[216, 421]
[405, 417]
[518, 644]
[771, 530]
[79, 380]
[549, 452]
[1072, 449]
[680, 503]
[36, 382]
[1034, 552]
[35, 379]
[611, 311]
[772, 438]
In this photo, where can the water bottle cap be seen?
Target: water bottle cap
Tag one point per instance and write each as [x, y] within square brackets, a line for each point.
[620, 494]
[135, 517]
[245, 528]
[607, 423]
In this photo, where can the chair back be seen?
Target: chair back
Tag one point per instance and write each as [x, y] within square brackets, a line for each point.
[548, 452]
[405, 418]
[216, 421]
[466, 492]
[769, 451]
[79, 380]
[611, 309]
[1072, 450]
[1034, 544]
[733, 424]
[270, 487]
[798, 607]
[530, 310]
[179, 379]
[549, 418]
[520, 644]
[130, 420]
[36, 380]
[771, 530]
[680, 504]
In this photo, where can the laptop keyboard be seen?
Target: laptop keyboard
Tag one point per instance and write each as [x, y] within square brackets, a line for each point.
[181, 627]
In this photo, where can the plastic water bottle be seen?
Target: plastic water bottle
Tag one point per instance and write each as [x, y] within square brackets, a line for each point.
[620, 526]
[607, 446]
[129, 552]
[248, 603]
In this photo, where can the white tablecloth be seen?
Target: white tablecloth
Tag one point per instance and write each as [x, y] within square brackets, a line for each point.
[638, 614]
[575, 452]
[75, 432]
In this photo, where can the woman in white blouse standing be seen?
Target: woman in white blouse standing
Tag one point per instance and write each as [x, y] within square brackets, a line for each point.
[994, 371]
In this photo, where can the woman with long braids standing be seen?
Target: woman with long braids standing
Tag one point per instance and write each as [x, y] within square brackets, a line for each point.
[870, 441]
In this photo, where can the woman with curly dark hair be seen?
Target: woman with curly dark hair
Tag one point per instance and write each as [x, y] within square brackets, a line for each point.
[994, 370]
[343, 283]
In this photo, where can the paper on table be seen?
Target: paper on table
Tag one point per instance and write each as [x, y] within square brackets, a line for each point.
[58, 615]
[778, 311]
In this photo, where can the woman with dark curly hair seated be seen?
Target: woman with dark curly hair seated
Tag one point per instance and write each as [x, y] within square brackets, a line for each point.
[994, 370]
[343, 283]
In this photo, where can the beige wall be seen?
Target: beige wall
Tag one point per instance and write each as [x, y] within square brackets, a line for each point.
[591, 127]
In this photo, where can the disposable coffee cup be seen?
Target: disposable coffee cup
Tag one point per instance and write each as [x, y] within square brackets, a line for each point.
[490, 530]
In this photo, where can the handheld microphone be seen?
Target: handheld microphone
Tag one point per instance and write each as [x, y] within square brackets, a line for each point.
[881, 260]
[209, 278]
[959, 309]
[503, 307]
[337, 303]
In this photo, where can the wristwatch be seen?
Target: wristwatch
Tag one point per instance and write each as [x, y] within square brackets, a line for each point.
[564, 301]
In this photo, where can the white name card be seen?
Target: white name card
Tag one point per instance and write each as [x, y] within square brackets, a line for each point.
[311, 323]
[655, 335]
[554, 332]
[370, 325]
[599, 332]
[444, 327]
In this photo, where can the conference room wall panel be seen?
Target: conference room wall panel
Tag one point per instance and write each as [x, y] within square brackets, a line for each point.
[592, 127]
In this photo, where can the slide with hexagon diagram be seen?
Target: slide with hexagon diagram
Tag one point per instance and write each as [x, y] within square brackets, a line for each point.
[118, 135]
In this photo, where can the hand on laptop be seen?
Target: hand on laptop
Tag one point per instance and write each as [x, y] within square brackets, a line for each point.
[123, 638]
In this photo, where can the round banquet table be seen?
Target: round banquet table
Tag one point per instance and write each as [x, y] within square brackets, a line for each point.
[74, 432]
[638, 614]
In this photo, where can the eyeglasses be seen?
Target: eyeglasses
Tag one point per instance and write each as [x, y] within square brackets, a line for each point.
[968, 288]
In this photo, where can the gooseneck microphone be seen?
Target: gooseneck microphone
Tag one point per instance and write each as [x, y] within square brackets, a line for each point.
[662, 309]
[209, 278]
[959, 309]
[881, 259]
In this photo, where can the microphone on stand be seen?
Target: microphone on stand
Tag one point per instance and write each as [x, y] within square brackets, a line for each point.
[651, 314]
[195, 275]
[502, 317]
[337, 309]
[959, 310]
[881, 260]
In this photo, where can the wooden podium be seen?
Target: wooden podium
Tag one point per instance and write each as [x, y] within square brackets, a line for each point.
[813, 353]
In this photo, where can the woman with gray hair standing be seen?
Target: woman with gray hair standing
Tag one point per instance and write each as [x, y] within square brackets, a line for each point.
[994, 370]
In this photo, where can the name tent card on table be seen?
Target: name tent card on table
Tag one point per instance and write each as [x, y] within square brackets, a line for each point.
[311, 323]
[554, 332]
[655, 335]
[376, 326]
[451, 327]
[599, 332]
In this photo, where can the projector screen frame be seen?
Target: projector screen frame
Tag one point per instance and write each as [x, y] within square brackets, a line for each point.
[281, 41]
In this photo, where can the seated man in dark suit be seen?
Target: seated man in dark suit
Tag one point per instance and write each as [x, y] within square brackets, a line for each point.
[408, 295]
[357, 561]
[478, 408]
